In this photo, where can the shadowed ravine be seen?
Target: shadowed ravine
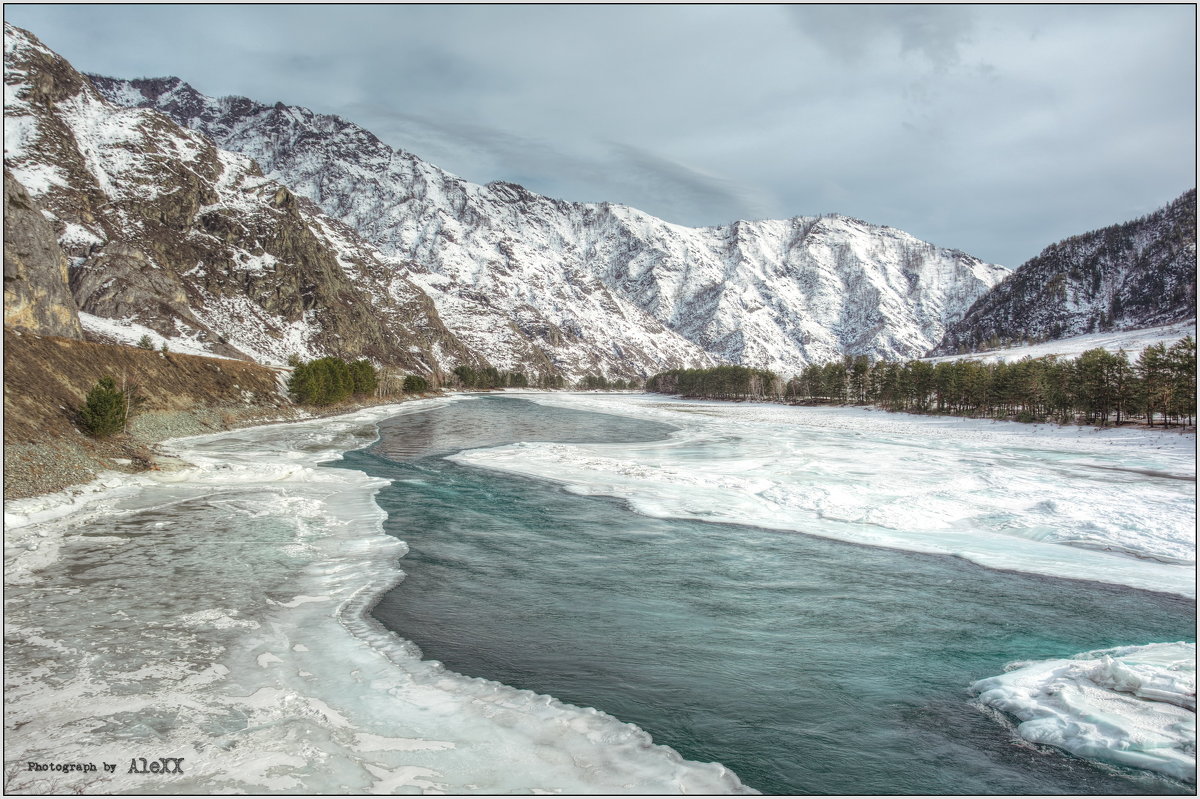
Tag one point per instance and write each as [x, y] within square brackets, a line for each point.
[805, 665]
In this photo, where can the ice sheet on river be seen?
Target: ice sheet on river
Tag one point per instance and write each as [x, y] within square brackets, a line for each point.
[1134, 706]
[1116, 506]
[218, 614]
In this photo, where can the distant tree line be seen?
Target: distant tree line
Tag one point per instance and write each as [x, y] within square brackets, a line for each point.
[1096, 387]
[720, 382]
[590, 382]
[489, 377]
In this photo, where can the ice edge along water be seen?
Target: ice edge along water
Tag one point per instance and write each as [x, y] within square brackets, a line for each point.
[307, 692]
[1114, 506]
[780, 467]
[1134, 706]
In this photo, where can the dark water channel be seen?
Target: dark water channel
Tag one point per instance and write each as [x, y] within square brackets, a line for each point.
[805, 665]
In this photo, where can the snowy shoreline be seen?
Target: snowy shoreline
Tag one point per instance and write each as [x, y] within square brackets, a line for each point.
[375, 717]
[1115, 506]
[255, 658]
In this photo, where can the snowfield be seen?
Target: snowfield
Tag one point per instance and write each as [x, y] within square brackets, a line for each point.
[1117, 506]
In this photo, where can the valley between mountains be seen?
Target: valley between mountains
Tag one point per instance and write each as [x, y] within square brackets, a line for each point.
[314, 554]
[247, 230]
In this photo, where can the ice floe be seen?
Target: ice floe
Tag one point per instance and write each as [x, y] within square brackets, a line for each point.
[1133, 706]
[1115, 506]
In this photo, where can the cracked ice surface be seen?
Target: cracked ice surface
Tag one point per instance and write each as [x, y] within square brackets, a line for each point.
[1116, 506]
[218, 614]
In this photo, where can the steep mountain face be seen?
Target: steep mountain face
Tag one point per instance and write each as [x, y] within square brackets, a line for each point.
[37, 296]
[1124, 277]
[541, 319]
[162, 228]
[775, 294]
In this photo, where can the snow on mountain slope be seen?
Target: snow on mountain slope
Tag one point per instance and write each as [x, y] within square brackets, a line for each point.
[1127, 276]
[544, 315]
[164, 230]
[1133, 342]
[776, 294]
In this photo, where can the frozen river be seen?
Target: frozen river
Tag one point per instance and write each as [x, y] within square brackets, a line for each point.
[219, 613]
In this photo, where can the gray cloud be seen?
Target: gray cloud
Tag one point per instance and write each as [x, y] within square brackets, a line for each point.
[850, 32]
[641, 178]
[995, 129]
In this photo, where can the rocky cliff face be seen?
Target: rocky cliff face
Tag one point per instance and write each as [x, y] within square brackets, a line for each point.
[613, 284]
[164, 229]
[1123, 277]
[37, 297]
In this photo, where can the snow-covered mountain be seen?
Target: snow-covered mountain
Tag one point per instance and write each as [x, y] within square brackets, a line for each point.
[163, 229]
[502, 263]
[1127, 276]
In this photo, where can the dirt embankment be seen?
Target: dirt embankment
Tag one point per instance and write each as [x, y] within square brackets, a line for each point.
[47, 378]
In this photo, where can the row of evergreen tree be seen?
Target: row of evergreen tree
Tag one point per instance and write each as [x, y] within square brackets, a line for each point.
[326, 381]
[489, 377]
[591, 382]
[720, 382]
[1096, 388]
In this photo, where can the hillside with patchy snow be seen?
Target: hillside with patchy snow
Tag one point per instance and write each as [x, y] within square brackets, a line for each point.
[1127, 276]
[776, 294]
[1132, 342]
[163, 229]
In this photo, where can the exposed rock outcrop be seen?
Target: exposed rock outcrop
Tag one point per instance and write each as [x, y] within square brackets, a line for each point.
[37, 297]
[165, 230]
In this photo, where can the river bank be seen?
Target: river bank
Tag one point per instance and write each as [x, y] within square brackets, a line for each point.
[46, 379]
[218, 613]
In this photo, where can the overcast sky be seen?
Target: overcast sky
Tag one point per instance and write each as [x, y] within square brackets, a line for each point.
[994, 129]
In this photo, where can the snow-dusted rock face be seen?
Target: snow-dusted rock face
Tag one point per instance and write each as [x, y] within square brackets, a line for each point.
[163, 229]
[1128, 276]
[509, 298]
[37, 296]
[775, 294]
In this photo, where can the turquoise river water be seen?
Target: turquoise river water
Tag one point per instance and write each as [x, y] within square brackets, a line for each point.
[805, 665]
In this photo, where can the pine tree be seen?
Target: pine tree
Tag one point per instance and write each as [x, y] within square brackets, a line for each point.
[324, 381]
[1181, 369]
[1153, 370]
[415, 384]
[362, 375]
[105, 410]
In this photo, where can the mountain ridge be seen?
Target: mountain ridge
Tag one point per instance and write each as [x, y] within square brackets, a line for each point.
[760, 293]
[1126, 276]
[488, 274]
[163, 228]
